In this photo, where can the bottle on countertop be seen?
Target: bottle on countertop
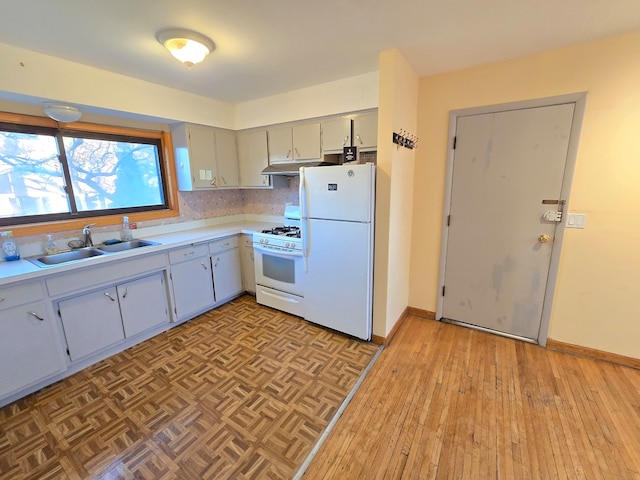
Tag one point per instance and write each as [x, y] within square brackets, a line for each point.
[9, 246]
[50, 246]
[125, 233]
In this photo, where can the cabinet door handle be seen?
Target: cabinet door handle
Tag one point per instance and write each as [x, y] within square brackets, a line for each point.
[126, 292]
[359, 139]
[297, 153]
[226, 244]
[213, 182]
[217, 261]
[204, 266]
[223, 180]
[344, 142]
[190, 254]
[36, 315]
[106, 294]
[288, 153]
[2, 300]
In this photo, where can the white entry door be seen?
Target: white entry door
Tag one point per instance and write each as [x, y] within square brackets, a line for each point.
[508, 171]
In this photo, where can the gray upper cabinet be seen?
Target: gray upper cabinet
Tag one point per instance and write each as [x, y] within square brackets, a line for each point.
[365, 131]
[206, 158]
[227, 158]
[336, 132]
[294, 143]
[253, 157]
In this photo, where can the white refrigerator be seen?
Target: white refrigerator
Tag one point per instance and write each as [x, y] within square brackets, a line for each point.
[337, 205]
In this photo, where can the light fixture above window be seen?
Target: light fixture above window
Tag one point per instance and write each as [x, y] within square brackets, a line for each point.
[187, 46]
[61, 112]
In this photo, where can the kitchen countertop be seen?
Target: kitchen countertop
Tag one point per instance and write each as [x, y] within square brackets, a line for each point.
[20, 270]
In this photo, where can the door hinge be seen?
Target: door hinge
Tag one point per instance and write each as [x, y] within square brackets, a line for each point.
[170, 275]
[68, 353]
[443, 290]
[448, 220]
[455, 141]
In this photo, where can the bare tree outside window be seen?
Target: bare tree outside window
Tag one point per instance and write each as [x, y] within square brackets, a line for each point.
[31, 177]
[94, 174]
[113, 175]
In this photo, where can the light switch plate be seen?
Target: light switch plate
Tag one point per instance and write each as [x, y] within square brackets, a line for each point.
[576, 220]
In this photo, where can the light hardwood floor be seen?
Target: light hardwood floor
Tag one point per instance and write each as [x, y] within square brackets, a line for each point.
[445, 402]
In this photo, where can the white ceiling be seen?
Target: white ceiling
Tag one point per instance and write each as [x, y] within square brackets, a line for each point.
[265, 47]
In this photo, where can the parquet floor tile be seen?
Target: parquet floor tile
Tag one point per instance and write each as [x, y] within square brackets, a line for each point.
[241, 392]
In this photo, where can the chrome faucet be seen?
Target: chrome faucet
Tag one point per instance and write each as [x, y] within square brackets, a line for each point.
[86, 231]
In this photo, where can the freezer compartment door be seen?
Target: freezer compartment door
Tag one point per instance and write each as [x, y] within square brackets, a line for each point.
[343, 192]
[338, 288]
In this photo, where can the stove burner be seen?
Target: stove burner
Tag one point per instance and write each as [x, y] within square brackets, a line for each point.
[284, 231]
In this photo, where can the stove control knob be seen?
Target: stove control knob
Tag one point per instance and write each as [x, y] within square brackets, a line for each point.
[286, 245]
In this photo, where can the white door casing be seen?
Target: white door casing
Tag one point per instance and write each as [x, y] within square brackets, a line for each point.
[495, 271]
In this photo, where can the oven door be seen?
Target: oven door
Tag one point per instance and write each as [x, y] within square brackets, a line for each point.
[279, 270]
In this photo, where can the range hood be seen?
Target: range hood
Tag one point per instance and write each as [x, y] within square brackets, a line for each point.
[293, 168]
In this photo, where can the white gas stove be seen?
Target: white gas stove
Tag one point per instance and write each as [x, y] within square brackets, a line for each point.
[279, 265]
[283, 238]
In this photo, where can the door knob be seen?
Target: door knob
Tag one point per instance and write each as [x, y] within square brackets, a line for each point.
[544, 238]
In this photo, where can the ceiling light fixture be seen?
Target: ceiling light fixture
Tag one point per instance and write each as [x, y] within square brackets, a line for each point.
[62, 113]
[187, 46]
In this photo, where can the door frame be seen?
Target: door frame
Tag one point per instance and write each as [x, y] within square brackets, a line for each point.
[579, 100]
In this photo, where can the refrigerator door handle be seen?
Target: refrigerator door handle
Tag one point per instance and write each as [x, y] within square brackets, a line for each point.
[303, 194]
[304, 231]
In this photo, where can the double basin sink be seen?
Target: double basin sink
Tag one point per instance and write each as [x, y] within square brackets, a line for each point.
[88, 252]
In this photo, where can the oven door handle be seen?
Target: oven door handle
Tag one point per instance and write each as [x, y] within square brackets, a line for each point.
[279, 253]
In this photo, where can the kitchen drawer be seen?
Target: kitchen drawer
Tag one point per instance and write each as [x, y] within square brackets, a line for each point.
[187, 253]
[223, 244]
[110, 273]
[20, 294]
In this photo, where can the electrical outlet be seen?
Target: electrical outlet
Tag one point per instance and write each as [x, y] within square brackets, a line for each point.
[576, 220]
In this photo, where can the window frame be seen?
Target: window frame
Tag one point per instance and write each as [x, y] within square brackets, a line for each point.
[167, 172]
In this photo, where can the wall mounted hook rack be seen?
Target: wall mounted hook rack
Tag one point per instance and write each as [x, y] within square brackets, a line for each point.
[405, 139]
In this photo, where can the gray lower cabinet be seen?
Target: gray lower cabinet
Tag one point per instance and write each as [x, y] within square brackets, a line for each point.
[29, 351]
[191, 281]
[247, 261]
[96, 320]
[143, 304]
[91, 322]
[225, 263]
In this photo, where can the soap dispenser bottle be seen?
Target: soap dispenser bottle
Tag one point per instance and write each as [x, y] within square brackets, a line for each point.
[125, 233]
[50, 246]
[9, 246]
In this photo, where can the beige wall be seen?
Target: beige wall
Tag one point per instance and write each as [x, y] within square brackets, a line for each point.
[37, 76]
[34, 77]
[346, 95]
[394, 191]
[599, 275]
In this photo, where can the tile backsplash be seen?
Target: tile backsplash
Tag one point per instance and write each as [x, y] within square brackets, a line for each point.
[217, 203]
[203, 205]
